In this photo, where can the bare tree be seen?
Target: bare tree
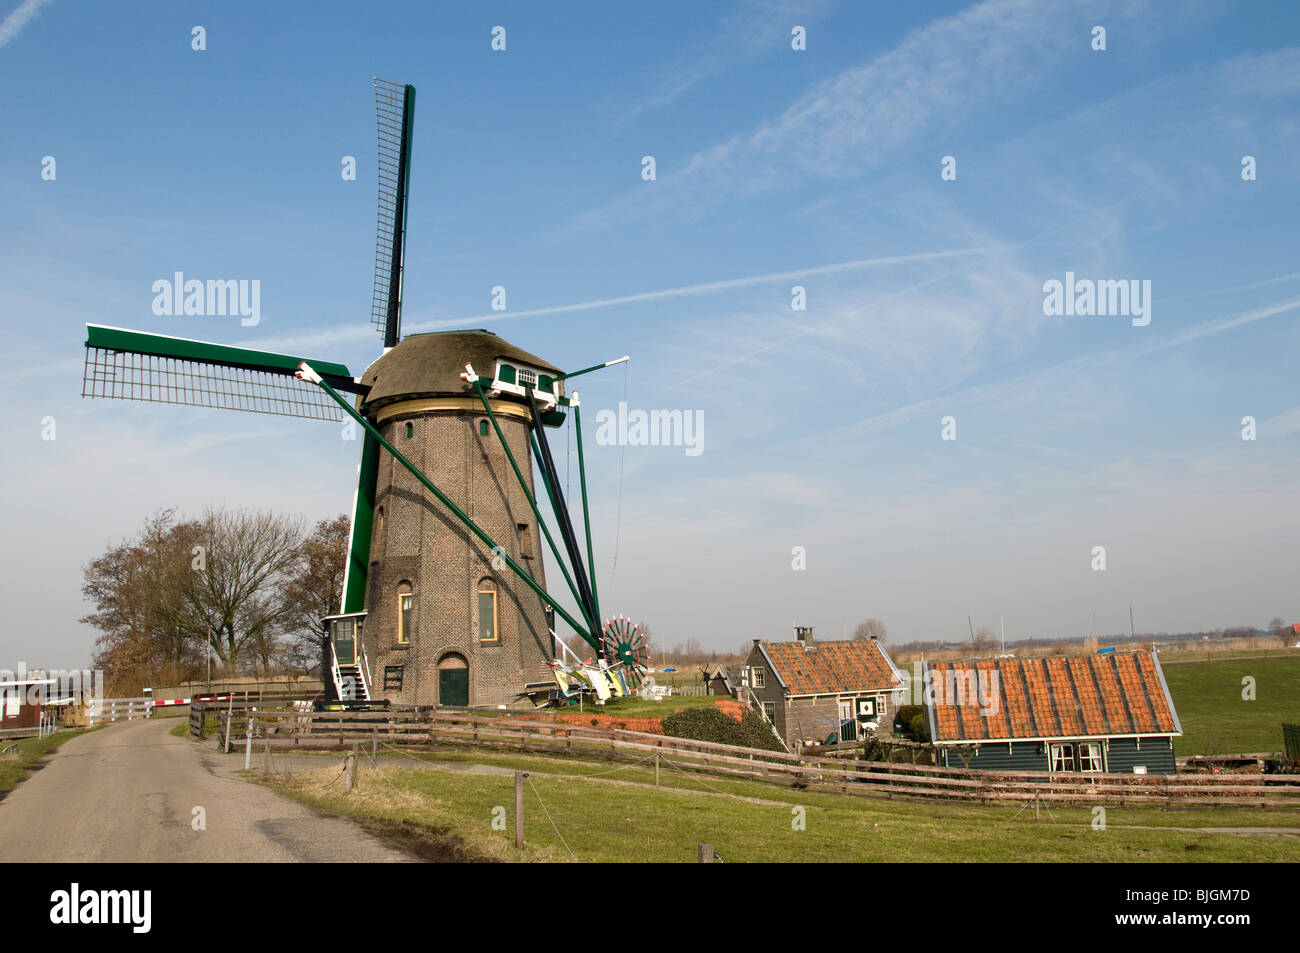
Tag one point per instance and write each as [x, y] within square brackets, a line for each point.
[1281, 630]
[137, 589]
[871, 629]
[236, 597]
[312, 590]
[985, 641]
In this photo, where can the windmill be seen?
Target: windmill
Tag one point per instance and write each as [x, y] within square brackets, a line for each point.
[444, 585]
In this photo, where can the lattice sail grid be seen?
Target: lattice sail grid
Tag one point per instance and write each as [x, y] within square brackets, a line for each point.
[390, 103]
[126, 375]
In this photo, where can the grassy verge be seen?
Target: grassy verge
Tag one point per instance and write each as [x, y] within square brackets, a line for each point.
[1217, 720]
[621, 816]
[15, 765]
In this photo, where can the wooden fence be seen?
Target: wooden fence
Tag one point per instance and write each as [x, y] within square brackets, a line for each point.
[113, 709]
[336, 731]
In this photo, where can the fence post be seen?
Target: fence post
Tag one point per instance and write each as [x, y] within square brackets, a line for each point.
[519, 810]
[248, 746]
[706, 853]
[656, 769]
[350, 772]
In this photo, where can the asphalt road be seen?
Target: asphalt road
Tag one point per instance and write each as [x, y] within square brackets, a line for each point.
[128, 793]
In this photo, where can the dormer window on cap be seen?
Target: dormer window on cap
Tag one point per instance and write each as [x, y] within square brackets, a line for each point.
[518, 379]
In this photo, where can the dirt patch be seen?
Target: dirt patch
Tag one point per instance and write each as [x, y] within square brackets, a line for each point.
[430, 845]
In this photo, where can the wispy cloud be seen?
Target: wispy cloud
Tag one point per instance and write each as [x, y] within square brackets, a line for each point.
[753, 29]
[1046, 376]
[953, 70]
[13, 24]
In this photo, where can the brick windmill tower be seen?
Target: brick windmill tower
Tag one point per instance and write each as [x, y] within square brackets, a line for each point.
[444, 600]
[446, 621]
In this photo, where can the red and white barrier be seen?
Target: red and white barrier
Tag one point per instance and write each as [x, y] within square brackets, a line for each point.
[162, 702]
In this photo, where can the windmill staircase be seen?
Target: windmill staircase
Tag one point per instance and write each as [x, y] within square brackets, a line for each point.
[350, 682]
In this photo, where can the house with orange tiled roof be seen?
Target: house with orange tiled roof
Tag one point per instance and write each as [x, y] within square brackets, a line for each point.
[1103, 713]
[817, 692]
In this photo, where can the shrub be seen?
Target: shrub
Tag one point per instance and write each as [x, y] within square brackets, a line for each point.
[874, 750]
[920, 728]
[905, 717]
[715, 725]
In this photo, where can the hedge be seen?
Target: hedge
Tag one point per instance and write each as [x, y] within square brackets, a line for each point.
[713, 724]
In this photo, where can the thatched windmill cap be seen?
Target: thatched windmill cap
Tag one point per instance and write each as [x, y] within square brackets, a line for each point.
[429, 365]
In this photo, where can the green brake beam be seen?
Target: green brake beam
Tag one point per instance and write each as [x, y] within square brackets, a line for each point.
[532, 502]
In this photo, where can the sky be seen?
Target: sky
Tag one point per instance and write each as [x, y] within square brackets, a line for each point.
[921, 171]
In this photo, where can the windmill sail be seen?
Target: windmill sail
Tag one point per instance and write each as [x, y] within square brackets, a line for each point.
[134, 365]
[395, 110]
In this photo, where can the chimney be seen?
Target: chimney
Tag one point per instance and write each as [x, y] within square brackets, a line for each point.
[804, 633]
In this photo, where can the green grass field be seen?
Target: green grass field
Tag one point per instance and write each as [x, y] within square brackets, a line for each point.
[611, 813]
[1217, 720]
[15, 765]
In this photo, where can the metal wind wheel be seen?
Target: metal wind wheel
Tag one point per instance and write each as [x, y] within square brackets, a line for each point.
[624, 643]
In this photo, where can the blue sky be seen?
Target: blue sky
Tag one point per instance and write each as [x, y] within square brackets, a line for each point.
[775, 168]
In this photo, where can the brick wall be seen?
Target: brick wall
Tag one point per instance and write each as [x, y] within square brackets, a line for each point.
[419, 542]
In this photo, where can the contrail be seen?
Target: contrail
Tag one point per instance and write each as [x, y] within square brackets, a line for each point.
[707, 288]
[13, 24]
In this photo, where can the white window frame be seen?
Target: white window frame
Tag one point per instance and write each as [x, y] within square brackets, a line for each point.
[1058, 759]
[757, 677]
[1090, 750]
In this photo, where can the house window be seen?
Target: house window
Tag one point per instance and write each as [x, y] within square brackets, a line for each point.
[758, 677]
[1090, 757]
[405, 608]
[769, 709]
[487, 611]
[1063, 757]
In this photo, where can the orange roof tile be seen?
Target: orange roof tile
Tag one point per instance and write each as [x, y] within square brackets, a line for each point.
[831, 667]
[1083, 696]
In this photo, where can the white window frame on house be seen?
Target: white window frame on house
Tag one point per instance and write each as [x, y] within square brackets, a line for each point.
[1089, 753]
[1059, 759]
[757, 677]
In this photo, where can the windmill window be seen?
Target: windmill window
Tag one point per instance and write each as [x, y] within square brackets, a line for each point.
[482, 428]
[405, 612]
[487, 611]
[527, 378]
[410, 431]
[525, 540]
